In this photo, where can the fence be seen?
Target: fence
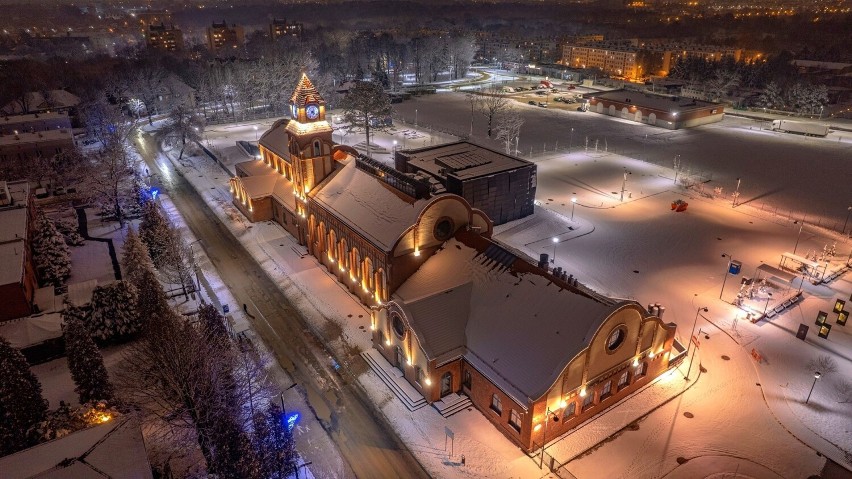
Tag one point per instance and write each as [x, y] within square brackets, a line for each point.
[546, 460]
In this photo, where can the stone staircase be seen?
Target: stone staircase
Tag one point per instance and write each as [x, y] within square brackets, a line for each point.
[393, 378]
[451, 404]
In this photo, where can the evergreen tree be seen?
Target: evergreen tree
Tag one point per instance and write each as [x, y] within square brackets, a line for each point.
[134, 258]
[151, 301]
[85, 361]
[156, 233]
[275, 447]
[114, 313]
[51, 252]
[212, 322]
[22, 407]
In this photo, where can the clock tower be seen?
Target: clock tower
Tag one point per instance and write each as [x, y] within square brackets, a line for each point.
[310, 142]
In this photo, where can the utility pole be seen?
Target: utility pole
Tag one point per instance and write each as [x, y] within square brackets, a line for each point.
[736, 194]
[623, 185]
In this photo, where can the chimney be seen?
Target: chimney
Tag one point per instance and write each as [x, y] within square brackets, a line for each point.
[543, 260]
[660, 311]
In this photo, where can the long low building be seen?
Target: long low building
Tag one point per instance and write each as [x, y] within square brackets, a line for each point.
[665, 111]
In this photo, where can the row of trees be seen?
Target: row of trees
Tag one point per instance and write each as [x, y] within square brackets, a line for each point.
[801, 98]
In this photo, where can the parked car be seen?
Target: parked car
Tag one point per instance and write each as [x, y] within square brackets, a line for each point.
[559, 98]
[540, 92]
[554, 90]
[542, 104]
[571, 87]
[531, 102]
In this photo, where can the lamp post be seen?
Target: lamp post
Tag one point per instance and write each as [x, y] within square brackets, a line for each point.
[255, 132]
[736, 194]
[691, 333]
[573, 204]
[195, 269]
[571, 140]
[415, 117]
[766, 306]
[848, 210]
[799, 236]
[394, 148]
[816, 377]
[547, 414]
[555, 243]
[727, 270]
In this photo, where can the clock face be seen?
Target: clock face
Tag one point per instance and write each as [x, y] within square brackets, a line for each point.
[312, 111]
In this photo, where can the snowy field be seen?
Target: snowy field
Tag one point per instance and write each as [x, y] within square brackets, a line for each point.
[637, 249]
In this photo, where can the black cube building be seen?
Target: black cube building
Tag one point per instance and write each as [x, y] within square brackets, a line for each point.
[500, 185]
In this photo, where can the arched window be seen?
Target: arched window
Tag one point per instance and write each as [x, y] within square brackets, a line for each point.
[317, 148]
[398, 325]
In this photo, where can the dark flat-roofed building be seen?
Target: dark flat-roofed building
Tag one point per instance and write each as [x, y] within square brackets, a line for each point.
[164, 38]
[500, 185]
[667, 111]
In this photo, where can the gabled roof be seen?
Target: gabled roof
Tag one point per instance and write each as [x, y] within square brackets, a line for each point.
[276, 138]
[521, 328]
[306, 92]
[376, 210]
[112, 450]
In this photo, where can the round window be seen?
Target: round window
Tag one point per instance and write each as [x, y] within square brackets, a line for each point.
[444, 229]
[398, 325]
[615, 338]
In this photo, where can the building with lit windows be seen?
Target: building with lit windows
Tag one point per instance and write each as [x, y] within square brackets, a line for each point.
[222, 39]
[464, 319]
[164, 38]
[666, 111]
[283, 29]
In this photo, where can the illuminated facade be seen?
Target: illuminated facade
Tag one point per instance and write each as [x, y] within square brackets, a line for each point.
[163, 38]
[222, 38]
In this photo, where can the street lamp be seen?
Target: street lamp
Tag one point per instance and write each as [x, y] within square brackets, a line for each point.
[691, 333]
[736, 194]
[555, 242]
[765, 307]
[547, 414]
[573, 204]
[255, 132]
[727, 270]
[571, 141]
[816, 377]
[799, 236]
[415, 117]
[848, 210]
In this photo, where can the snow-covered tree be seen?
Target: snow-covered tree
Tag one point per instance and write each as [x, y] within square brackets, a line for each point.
[771, 97]
[274, 444]
[134, 257]
[177, 265]
[84, 360]
[366, 106]
[508, 128]
[112, 180]
[492, 105]
[114, 314]
[182, 377]
[51, 252]
[68, 228]
[156, 232]
[184, 126]
[212, 322]
[22, 407]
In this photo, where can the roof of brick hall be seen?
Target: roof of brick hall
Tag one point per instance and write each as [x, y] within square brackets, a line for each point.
[306, 92]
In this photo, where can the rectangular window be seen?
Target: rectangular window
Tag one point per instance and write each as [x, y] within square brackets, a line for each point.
[515, 420]
[570, 410]
[623, 380]
[606, 391]
[588, 400]
[419, 375]
[496, 405]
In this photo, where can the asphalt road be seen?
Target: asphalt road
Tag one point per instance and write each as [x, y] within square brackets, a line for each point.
[368, 444]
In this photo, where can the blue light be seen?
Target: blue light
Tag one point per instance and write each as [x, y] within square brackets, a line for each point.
[291, 420]
[154, 193]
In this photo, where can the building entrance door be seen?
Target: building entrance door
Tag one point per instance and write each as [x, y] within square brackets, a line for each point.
[446, 384]
[400, 360]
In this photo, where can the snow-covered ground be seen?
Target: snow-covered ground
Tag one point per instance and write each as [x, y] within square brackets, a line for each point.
[641, 249]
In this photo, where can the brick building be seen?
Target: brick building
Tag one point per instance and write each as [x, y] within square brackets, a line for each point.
[666, 111]
[280, 28]
[34, 122]
[22, 147]
[17, 273]
[456, 312]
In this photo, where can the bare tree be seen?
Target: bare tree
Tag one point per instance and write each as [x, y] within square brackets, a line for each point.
[826, 365]
[183, 126]
[461, 52]
[113, 179]
[508, 127]
[493, 104]
[366, 105]
[843, 391]
[721, 83]
[147, 84]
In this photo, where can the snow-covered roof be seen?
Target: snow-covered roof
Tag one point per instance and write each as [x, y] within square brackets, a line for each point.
[80, 294]
[36, 101]
[377, 210]
[33, 330]
[112, 450]
[276, 138]
[31, 138]
[521, 325]
[462, 160]
[264, 181]
[651, 100]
